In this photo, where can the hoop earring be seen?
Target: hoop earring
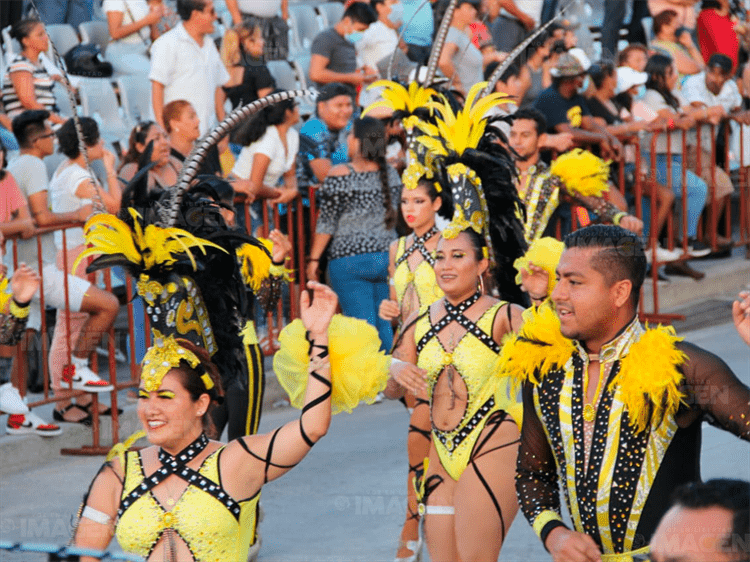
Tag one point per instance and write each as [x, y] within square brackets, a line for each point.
[480, 285]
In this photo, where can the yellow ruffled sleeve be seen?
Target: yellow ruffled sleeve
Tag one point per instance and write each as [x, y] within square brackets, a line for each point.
[359, 370]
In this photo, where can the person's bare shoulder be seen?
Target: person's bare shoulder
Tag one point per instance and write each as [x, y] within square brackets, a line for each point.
[339, 170]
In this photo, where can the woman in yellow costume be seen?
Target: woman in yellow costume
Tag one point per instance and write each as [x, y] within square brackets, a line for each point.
[413, 286]
[186, 497]
[449, 349]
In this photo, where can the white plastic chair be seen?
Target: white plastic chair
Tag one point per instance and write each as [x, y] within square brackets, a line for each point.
[648, 29]
[62, 100]
[63, 36]
[99, 100]
[284, 74]
[306, 23]
[95, 32]
[11, 45]
[135, 95]
[331, 13]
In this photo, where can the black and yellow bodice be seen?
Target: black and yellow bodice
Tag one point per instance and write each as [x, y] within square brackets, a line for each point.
[214, 526]
[420, 280]
[474, 359]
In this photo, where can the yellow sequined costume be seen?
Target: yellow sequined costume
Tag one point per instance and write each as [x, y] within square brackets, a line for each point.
[214, 526]
[421, 280]
[474, 358]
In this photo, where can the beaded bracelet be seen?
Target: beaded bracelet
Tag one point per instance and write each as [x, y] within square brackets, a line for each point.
[20, 311]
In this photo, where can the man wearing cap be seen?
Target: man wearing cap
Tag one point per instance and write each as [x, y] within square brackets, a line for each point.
[718, 96]
[566, 111]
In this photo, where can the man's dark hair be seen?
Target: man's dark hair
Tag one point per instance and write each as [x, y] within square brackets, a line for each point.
[621, 255]
[333, 90]
[534, 115]
[513, 71]
[729, 494]
[186, 7]
[723, 62]
[28, 125]
[361, 12]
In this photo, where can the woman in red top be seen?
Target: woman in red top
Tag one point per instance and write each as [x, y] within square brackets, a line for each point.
[716, 33]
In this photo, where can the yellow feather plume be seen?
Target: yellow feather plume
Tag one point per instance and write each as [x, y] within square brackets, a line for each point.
[120, 449]
[106, 234]
[648, 380]
[397, 97]
[582, 172]
[545, 253]
[464, 129]
[254, 263]
[536, 349]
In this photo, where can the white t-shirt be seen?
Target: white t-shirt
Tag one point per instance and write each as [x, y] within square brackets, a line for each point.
[694, 89]
[189, 72]
[132, 11]
[531, 8]
[269, 144]
[260, 8]
[378, 41]
[62, 192]
[656, 102]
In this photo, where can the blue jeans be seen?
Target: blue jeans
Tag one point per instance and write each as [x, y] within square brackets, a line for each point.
[361, 283]
[696, 191]
[74, 12]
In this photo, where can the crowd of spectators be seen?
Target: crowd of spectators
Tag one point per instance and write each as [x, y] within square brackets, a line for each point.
[688, 73]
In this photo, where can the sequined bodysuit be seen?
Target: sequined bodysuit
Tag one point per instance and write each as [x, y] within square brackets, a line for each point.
[418, 283]
[473, 359]
[213, 525]
[619, 491]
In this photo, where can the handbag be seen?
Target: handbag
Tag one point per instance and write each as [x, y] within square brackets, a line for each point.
[87, 60]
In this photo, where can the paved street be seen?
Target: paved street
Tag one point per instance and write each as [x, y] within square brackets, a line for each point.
[345, 502]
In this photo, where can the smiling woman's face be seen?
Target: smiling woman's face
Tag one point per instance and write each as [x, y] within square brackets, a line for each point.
[456, 266]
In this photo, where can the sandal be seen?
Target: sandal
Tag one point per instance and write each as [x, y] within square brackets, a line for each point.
[106, 412]
[59, 415]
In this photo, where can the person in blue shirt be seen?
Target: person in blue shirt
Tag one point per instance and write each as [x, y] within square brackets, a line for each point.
[417, 29]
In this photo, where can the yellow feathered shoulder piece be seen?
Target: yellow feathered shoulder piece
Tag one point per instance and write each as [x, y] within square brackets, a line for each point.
[649, 381]
[536, 349]
[582, 172]
[255, 262]
[359, 370]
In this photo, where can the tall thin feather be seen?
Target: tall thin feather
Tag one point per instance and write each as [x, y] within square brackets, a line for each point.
[513, 55]
[439, 43]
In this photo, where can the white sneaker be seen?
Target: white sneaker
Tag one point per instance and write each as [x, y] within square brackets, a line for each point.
[11, 401]
[20, 424]
[663, 255]
[83, 378]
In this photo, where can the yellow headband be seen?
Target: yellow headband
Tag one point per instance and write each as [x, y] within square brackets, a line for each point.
[164, 356]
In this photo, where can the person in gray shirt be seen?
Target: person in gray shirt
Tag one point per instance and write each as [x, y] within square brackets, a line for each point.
[333, 56]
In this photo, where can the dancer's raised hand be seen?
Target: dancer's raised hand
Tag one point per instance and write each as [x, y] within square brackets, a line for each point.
[316, 313]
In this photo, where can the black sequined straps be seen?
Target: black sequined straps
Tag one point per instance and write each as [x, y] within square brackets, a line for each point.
[456, 314]
[419, 244]
[316, 362]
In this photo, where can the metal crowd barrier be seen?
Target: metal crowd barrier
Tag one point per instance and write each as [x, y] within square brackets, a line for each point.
[299, 221]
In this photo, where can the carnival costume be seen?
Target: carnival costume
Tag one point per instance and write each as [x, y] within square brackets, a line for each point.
[457, 151]
[12, 322]
[577, 173]
[620, 458]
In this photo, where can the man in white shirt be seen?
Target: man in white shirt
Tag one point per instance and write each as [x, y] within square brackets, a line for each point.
[185, 65]
[718, 95]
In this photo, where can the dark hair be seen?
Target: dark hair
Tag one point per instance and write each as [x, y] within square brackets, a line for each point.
[513, 71]
[254, 129]
[361, 12]
[723, 62]
[732, 495]
[599, 72]
[23, 28]
[192, 381]
[656, 68]
[621, 255]
[531, 114]
[538, 42]
[558, 47]
[185, 8]
[663, 18]
[624, 55]
[371, 135]
[5, 161]
[711, 5]
[477, 242]
[68, 139]
[332, 90]
[27, 125]
[137, 136]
